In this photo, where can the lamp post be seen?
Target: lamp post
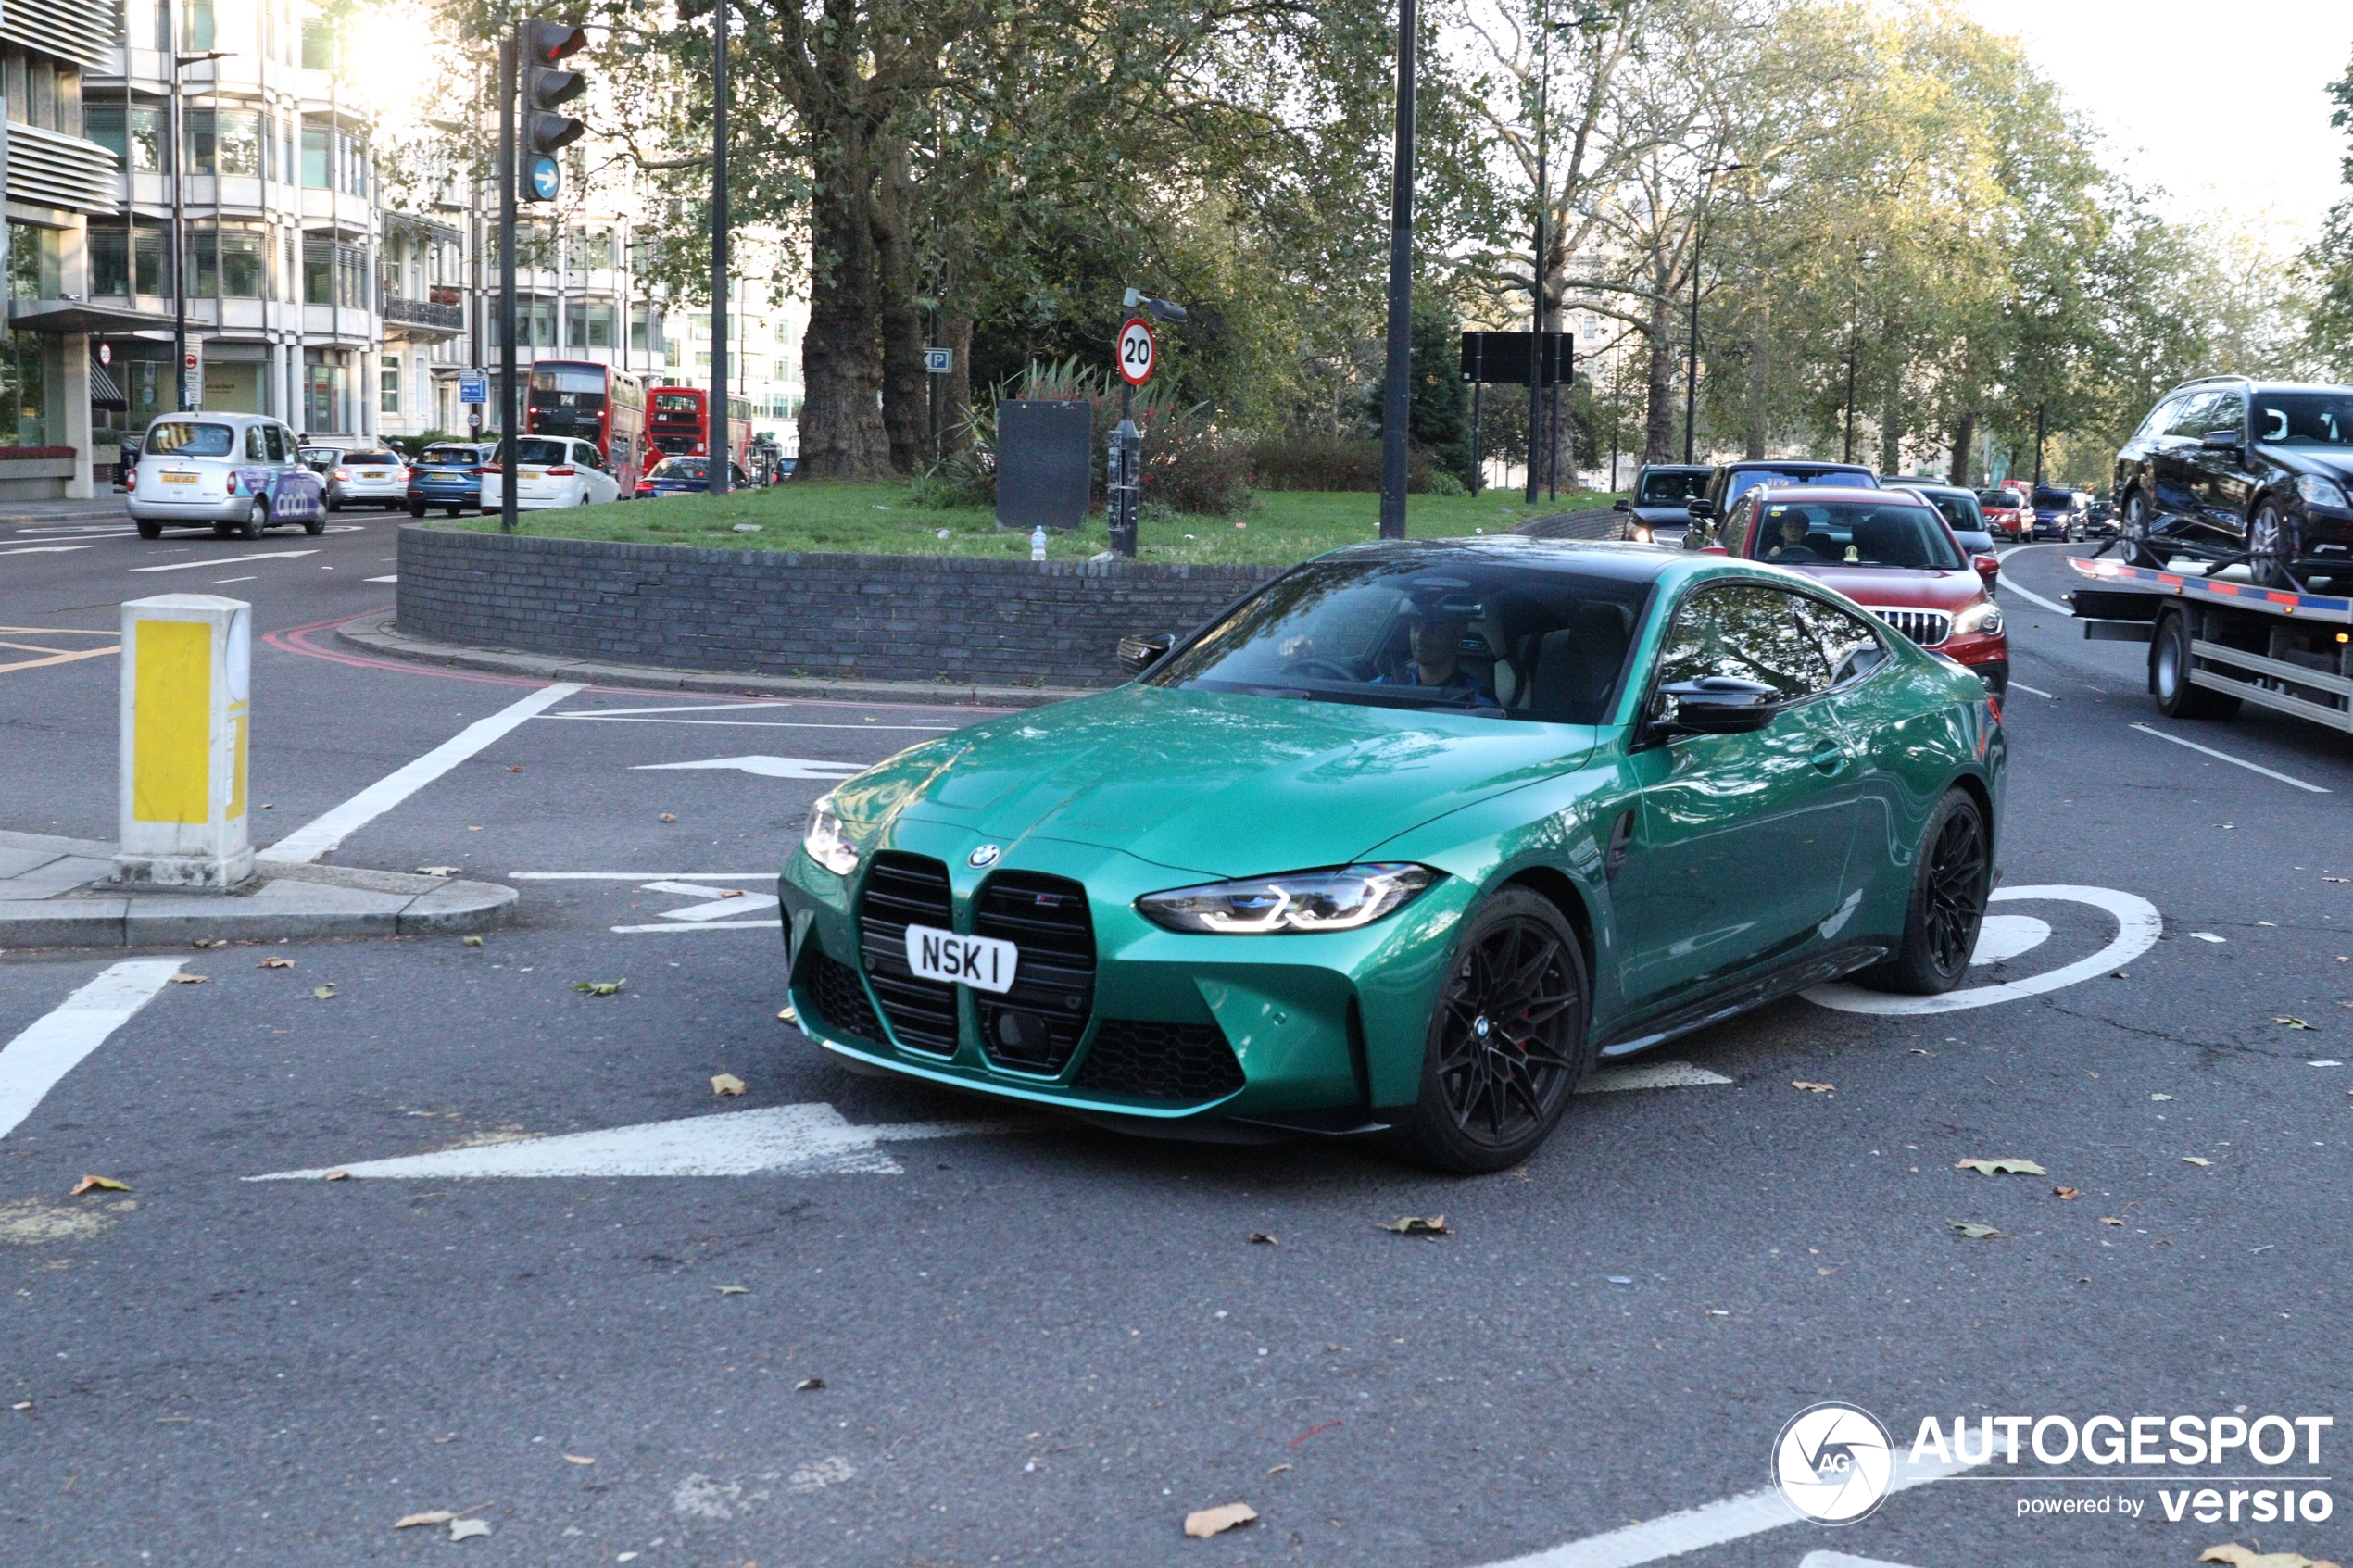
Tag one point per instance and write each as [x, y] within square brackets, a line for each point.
[1690, 365]
[176, 130]
[721, 404]
[1397, 402]
[1863, 258]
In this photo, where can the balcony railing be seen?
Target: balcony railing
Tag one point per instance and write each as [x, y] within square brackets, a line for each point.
[424, 312]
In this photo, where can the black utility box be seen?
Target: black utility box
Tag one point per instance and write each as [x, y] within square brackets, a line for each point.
[1045, 447]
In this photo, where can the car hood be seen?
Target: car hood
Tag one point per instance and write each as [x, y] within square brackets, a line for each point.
[1896, 585]
[1220, 783]
[2336, 465]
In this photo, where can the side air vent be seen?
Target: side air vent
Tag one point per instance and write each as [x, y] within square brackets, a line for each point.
[1182, 1063]
[900, 891]
[840, 1001]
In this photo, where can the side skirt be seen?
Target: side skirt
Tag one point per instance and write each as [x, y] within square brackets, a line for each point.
[1752, 991]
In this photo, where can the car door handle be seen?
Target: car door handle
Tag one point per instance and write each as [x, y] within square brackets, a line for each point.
[1828, 759]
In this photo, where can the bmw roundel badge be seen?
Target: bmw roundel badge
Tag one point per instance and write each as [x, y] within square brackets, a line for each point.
[984, 855]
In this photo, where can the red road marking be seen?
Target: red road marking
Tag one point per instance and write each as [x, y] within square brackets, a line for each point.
[1312, 1430]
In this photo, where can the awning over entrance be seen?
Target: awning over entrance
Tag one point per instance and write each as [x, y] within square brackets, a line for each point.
[77, 316]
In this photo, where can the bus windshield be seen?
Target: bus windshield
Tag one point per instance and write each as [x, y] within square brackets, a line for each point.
[677, 406]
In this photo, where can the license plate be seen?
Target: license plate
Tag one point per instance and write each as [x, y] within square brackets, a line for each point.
[531, 473]
[373, 473]
[983, 963]
[179, 479]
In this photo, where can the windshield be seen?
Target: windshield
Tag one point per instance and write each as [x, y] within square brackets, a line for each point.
[528, 450]
[2002, 498]
[681, 467]
[1960, 509]
[1854, 534]
[370, 459]
[449, 456]
[678, 404]
[1746, 480]
[185, 438]
[1665, 489]
[2304, 419]
[2051, 500]
[568, 386]
[1501, 640]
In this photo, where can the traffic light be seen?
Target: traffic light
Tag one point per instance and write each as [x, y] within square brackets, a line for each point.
[538, 45]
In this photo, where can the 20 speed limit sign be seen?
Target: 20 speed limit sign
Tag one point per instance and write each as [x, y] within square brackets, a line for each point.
[1136, 350]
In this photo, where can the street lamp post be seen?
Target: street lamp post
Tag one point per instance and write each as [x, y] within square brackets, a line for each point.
[721, 404]
[1397, 404]
[175, 129]
[1536, 289]
[1691, 364]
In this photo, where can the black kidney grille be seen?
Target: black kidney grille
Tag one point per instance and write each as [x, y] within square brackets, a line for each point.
[840, 1001]
[1183, 1062]
[1047, 919]
[900, 891]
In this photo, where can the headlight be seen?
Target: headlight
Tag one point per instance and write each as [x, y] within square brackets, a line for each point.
[2319, 491]
[1642, 534]
[1979, 621]
[1338, 899]
[825, 842]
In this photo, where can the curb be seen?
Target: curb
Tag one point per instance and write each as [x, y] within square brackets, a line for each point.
[375, 633]
[287, 901]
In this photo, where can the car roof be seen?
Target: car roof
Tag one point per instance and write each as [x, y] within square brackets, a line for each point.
[1797, 465]
[2259, 383]
[1855, 493]
[1678, 467]
[1600, 557]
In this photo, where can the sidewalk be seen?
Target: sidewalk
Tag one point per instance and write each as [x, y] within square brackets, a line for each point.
[107, 508]
[52, 894]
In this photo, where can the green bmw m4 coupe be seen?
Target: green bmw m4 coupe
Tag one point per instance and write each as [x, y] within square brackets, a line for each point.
[1406, 842]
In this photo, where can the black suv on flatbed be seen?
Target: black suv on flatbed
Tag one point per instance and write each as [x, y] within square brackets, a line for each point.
[2230, 469]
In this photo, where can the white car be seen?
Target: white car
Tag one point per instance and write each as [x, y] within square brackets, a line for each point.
[235, 473]
[551, 470]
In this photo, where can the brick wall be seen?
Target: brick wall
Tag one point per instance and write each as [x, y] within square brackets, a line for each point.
[781, 613]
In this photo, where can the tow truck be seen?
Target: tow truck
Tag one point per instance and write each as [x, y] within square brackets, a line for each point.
[2215, 643]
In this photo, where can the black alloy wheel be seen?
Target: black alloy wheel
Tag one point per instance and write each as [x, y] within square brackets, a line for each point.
[2268, 547]
[1507, 1043]
[2133, 532]
[1950, 885]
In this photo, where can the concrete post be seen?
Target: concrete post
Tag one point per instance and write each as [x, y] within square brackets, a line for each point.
[184, 710]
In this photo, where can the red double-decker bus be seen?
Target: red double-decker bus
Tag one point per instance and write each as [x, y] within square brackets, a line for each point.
[592, 402]
[678, 422]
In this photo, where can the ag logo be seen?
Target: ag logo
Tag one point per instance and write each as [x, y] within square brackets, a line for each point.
[1832, 1462]
[984, 855]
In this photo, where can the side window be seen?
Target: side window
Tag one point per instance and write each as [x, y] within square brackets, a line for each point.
[280, 444]
[2225, 410]
[1850, 645]
[1746, 631]
[255, 451]
[2189, 416]
[1734, 536]
[2160, 419]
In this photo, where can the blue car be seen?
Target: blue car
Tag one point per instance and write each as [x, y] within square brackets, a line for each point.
[2055, 513]
[450, 476]
[686, 476]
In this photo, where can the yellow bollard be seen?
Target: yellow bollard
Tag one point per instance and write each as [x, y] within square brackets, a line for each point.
[185, 662]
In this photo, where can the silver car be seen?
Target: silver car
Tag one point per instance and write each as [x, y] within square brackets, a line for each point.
[370, 478]
[235, 473]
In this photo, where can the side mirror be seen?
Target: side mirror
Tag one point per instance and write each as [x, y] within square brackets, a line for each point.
[1988, 567]
[2219, 440]
[1140, 654]
[1700, 507]
[1698, 536]
[1621, 505]
[1720, 705]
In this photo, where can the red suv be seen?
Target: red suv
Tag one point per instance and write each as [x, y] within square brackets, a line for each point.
[1890, 552]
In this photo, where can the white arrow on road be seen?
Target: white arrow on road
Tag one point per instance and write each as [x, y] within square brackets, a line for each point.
[737, 904]
[46, 549]
[785, 1140]
[767, 767]
[225, 560]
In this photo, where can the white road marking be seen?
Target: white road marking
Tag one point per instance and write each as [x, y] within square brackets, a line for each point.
[1841, 1559]
[1732, 1519]
[707, 925]
[46, 549]
[786, 1140]
[388, 577]
[2005, 936]
[2033, 597]
[307, 843]
[765, 767]
[2236, 761]
[738, 904]
[50, 1047]
[226, 560]
[2138, 927]
[224, 581]
[639, 876]
[625, 718]
[1650, 1075]
[2030, 691]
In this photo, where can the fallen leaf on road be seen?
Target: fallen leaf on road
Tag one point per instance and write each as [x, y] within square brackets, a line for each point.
[2238, 1556]
[473, 941]
[809, 1384]
[516, 768]
[2001, 1167]
[2194, 1160]
[667, 817]
[439, 870]
[600, 987]
[1209, 1522]
[2107, 1219]
[1414, 1224]
[1812, 1088]
[209, 942]
[325, 992]
[732, 1289]
[2291, 1022]
[1277, 1470]
[1974, 1231]
[788, 1016]
[466, 1529]
[22, 1405]
[733, 893]
[190, 979]
[726, 1084]
[2066, 1194]
[438, 1516]
[2337, 879]
[336, 1176]
[275, 964]
[1261, 1239]
[578, 1459]
[98, 1184]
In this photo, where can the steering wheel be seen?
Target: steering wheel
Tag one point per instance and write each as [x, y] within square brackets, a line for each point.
[1331, 669]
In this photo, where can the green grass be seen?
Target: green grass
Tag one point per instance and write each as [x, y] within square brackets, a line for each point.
[1283, 526]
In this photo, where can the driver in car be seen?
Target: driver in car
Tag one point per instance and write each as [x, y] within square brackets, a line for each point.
[1792, 547]
[1435, 636]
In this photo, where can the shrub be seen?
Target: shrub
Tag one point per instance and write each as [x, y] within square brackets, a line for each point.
[1338, 462]
[1191, 466]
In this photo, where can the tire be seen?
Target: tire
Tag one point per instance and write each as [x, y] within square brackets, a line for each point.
[1951, 881]
[416, 509]
[2169, 655]
[2266, 547]
[314, 525]
[453, 511]
[224, 530]
[149, 529]
[1487, 1098]
[2132, 529]
[335, 503]
[257, 520]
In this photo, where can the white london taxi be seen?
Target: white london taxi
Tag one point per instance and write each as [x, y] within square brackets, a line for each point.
[235, 473]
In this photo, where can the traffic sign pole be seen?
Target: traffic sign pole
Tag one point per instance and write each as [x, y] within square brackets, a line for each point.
[1135, 353]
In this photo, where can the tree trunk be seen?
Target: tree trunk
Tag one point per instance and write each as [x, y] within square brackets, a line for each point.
[1964, 438]
[841, 424]
[1891, 434]
[1760, 372]
[906, 410]
[1658, 435]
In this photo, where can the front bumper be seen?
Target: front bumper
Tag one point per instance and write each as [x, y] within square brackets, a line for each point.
[1308, 1027]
